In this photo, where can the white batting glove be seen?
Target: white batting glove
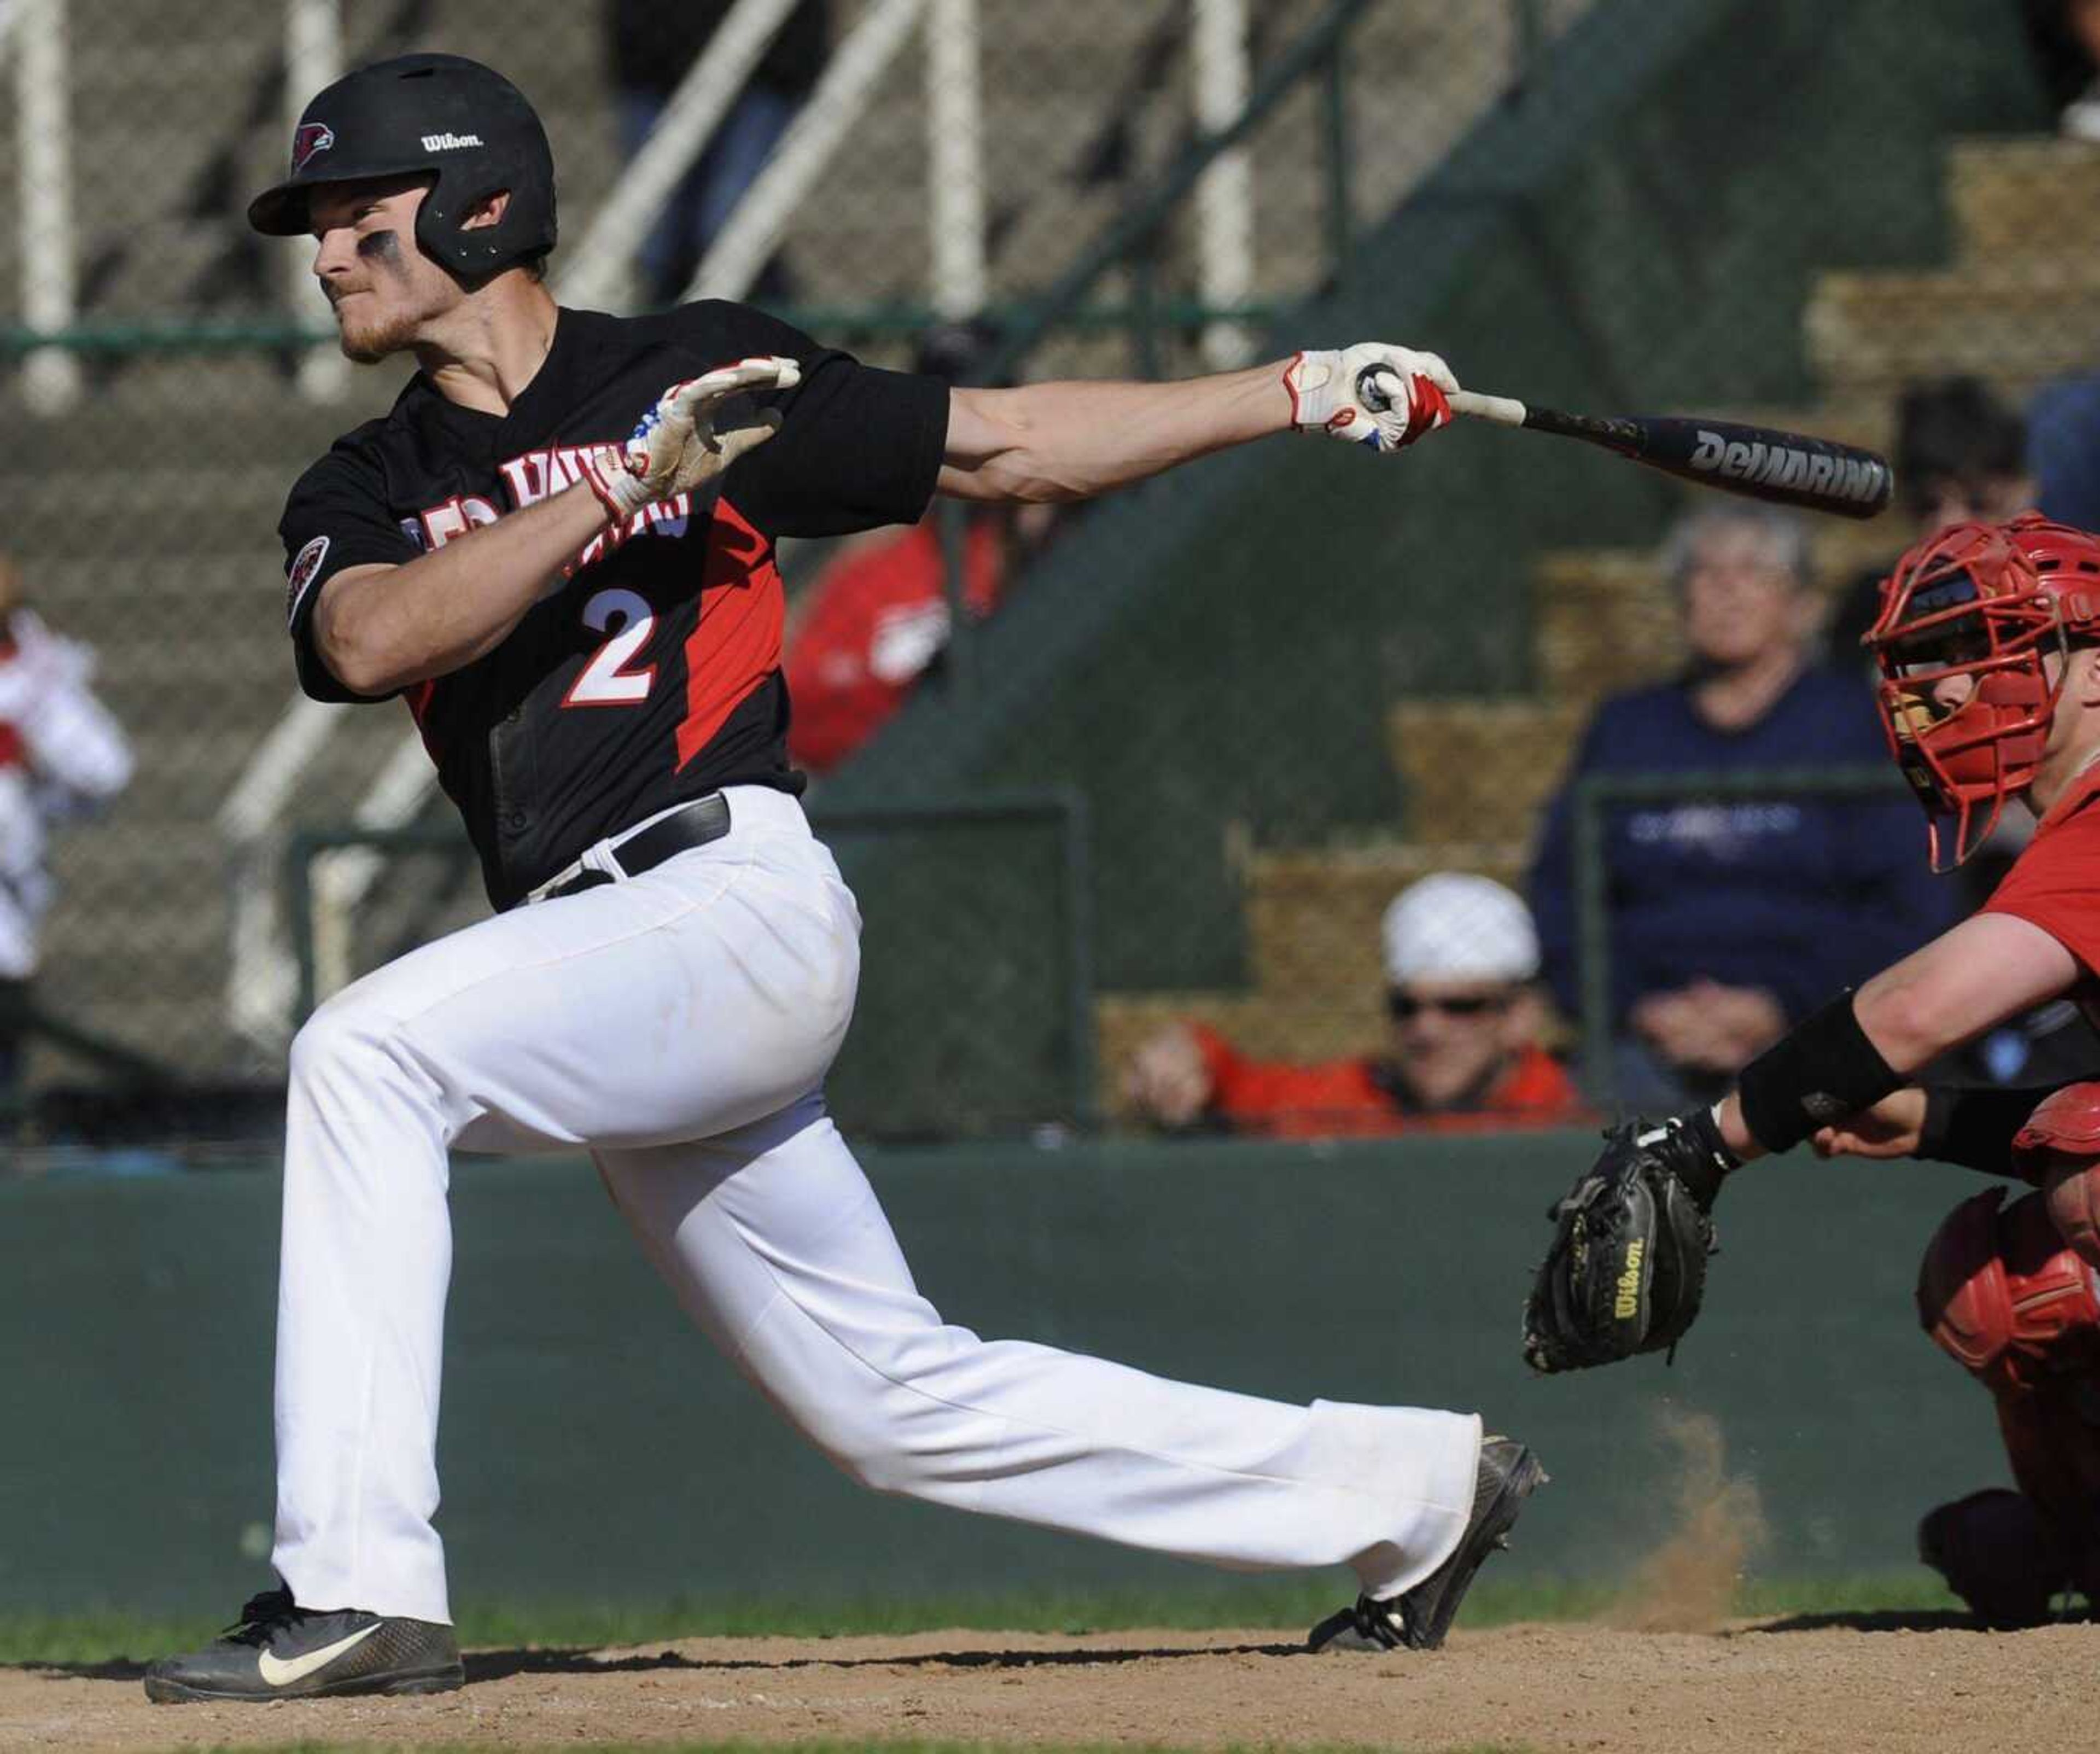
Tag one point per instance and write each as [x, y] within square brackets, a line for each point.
[1372, 394]
[696, 429]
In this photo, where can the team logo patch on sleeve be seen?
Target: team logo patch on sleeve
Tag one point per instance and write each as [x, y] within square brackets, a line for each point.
[313, 137]
[304, 569]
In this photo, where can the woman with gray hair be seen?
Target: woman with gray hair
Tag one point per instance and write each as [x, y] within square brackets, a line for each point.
[1730, 918]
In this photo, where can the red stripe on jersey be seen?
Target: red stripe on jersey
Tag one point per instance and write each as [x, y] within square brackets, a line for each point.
[418, 698]
[735, 642]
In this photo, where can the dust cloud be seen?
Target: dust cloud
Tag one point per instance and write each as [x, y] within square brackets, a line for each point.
[1687, 1584]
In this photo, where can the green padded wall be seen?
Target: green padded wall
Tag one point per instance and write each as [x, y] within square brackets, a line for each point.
[595, 1447]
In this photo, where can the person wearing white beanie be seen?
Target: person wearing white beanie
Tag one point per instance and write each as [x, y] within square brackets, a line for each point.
[1460, 955]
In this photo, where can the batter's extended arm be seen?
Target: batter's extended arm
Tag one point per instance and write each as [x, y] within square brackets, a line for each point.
[1051, 442]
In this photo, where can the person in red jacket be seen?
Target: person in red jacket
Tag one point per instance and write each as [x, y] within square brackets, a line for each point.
[1461, 957]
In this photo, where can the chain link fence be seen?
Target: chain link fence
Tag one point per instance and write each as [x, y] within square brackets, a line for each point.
[1128, 792]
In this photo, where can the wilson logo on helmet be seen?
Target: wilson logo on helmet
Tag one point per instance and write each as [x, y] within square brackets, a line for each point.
[446, 142]
[313, 137]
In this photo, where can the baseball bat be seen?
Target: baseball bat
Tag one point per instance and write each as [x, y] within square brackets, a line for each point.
[1759, 462]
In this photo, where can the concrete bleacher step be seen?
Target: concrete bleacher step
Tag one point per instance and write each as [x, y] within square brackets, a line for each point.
[1602, 620]
[2030, 199]
[1312, 916]
[1869, 420]
[2015, 323]
[1480, 770]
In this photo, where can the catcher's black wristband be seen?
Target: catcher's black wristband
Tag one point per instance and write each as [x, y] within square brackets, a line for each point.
[1703, 1170]
[1974, 1128]
[1820, 1070]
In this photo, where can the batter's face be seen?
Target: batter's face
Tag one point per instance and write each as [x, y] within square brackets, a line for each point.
[1450, 1037]
[385, 291]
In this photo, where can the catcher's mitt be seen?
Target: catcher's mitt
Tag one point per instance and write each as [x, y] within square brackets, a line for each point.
[1628, 1262]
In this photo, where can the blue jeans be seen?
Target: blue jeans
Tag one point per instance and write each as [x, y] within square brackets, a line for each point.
[702, 201]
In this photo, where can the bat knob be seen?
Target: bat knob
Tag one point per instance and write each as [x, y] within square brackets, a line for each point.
[1376, 388]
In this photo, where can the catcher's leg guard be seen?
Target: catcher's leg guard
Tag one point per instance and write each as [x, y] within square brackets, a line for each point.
[2001, 1294]
[1999, 1554]
[2058, 1149]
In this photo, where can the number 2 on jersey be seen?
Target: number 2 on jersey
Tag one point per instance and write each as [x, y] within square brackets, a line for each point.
[604, 681]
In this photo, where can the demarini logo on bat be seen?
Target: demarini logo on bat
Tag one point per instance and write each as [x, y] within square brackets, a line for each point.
[1782, 466]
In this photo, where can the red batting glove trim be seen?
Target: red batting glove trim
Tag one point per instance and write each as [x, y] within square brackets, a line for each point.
[1429, 407]
[594, 469]
[1291, 388]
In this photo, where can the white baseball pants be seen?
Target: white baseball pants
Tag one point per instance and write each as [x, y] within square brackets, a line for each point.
[679, 1025]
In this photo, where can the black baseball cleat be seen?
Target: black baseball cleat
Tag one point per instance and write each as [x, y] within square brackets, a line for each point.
[1417, 1618]
[279, 1650]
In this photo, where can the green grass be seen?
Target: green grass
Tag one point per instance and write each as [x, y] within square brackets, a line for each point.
[1289, 1606]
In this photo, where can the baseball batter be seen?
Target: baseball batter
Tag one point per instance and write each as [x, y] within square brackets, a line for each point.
[558, 549]
[1988, 643]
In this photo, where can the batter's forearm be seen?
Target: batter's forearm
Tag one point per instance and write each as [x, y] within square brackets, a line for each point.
[1051, 442]
[386, 631]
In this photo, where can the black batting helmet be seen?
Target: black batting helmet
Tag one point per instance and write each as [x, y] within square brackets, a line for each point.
[441, 113]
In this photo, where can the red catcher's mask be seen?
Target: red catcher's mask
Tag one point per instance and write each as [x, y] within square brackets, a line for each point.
[1968, 616]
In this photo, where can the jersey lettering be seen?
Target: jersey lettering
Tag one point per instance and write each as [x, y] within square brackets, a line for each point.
[455, 517]
[604, 681]
[683, 634]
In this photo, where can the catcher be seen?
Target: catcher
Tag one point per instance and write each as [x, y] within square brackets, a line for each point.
[1987, 644]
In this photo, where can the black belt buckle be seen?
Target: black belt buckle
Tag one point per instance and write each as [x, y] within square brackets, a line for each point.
[703, 820]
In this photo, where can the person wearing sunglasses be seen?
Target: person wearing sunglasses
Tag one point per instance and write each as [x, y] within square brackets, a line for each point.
[1462, 1048]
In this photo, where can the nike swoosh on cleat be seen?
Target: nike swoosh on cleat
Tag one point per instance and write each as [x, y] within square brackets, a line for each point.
[282, 1674]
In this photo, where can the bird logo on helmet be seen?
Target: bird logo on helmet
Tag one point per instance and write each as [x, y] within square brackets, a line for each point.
[463, 124]
[1969, 617]
[313, 137]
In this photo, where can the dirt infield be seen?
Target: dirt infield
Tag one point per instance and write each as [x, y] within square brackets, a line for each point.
[1889, 1682]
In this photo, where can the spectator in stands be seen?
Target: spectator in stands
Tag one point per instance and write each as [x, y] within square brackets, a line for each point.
[1461, 956]
[1730, 920]
[2064, 38]
[2064, 418]
[1960, 454]
[863, 634]
[654, 45]
[60, 752]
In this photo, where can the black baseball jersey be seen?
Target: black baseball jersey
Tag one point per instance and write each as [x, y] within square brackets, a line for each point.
[651, 675]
